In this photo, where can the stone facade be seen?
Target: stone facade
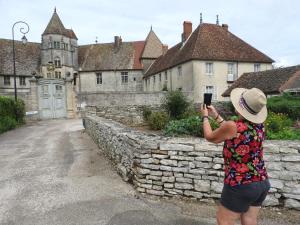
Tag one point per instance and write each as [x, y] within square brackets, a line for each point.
[189, 167]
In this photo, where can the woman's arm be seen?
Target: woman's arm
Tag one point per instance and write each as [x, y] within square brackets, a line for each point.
[226, 130]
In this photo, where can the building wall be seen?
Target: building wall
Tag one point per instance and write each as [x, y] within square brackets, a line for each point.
[111, 81]
[195, 79]
[10, 88]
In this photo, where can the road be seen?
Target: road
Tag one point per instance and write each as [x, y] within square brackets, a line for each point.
[51, 173]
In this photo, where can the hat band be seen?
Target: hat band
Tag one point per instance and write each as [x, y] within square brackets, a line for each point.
[244, 104]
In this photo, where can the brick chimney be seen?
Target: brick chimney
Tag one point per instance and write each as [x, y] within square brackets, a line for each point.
[118, 42]
[187, 30]
[225, 26]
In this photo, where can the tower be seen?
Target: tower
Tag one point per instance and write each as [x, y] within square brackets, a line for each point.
[59, 50]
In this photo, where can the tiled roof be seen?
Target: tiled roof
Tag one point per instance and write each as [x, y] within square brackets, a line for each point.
[269, 81]
[55, 26]
[209, 42]
[28, 57]
[153, 47]
[107, 57]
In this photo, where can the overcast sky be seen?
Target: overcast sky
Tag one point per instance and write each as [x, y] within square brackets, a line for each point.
[272, 26]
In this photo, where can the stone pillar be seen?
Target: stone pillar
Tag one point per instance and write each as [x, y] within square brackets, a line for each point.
[71, 99]
[33, 100]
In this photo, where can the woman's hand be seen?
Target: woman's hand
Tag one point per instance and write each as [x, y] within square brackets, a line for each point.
[204, 110]
[212, 112]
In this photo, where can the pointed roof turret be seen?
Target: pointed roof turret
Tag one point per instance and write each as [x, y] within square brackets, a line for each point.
[55, 26]
[153, 47]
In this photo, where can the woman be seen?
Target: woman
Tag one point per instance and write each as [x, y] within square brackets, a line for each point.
[246, 182]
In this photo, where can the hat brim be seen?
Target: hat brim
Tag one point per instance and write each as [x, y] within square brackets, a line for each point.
[235, 96]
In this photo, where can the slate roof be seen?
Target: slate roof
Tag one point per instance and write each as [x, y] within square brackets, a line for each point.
[28, 57]
[209, 42]
[55, 26]
[107, 57]
[270, 81]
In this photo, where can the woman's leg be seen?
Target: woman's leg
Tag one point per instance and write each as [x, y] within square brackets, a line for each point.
[226, 216]
[250, 217]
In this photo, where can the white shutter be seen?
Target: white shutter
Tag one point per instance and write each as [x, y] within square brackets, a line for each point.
[215, 94]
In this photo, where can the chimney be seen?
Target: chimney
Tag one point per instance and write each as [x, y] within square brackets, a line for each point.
[225, 26]
[118, 42]
[187, 30]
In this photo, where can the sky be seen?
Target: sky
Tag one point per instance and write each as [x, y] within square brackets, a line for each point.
[271, 26]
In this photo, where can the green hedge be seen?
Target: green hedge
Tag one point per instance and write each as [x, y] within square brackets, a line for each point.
[11, 113]
[286, 104]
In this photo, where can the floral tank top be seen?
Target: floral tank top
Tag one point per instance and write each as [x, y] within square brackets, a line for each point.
[243, 155]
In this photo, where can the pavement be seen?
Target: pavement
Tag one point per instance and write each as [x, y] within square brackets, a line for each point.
[51, 173]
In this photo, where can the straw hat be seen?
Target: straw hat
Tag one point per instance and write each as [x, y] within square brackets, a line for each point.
[250, 103]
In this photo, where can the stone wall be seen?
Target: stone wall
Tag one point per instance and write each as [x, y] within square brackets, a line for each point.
[189, 167]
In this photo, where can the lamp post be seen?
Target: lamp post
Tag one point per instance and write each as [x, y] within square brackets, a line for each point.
[24, 40]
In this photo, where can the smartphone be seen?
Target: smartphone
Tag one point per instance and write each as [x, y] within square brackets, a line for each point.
[207, 98]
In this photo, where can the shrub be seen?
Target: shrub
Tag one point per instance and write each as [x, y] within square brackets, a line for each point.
[7, 123]
[287, 104]
[276, 122]
[146, 113]
[175, 103]
[158, 120]
[7, 106]
[188, 126]
[20, 111]
[286, 133]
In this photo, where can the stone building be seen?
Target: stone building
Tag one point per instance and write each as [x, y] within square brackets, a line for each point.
[209, 60]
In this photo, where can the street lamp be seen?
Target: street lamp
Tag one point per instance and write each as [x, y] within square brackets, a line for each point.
[24, 41]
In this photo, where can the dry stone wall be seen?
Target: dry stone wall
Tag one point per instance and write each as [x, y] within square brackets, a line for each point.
[189, 167]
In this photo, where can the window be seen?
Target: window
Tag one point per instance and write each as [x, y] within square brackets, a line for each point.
[153, 82]
[57, 74]
[57, 62]
[22, 81]
[99, 78]
[66, 46]
[56, 44]
[256, 67]
[58, 88]
[166, 76]
[209, 68]
[7, 80]
[48, 75]
[211, 89]
[231, 69]
[179, 68]
[124, 77]
[50, 44]
[160, 77]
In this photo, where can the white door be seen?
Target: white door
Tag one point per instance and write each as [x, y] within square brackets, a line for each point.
[52, 101]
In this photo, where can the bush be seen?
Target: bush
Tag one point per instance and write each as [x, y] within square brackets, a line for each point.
[286, 104]
[7, 123]
[175, 103]
[189, 126]
[158, 120]
[11, 113]
[146, 113]
[276, 122]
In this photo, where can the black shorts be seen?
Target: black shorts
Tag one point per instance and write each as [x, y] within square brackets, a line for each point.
[240, 197]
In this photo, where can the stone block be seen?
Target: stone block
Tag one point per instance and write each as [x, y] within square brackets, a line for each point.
[217, 166]
[168, 185]
[142, 156]
[216, 187]
[184, 186]
[203, 165]
[180, 169]
[271, 200]
[287, 150]
[194, 194]
[168, 162]
[203, 159]
[172, 152]
[156, 173]
[176, 147]
[272, 158]
[165, 168]
[157, 187]
[195, 153]
[150, 166]
[291, 158]
[276, 183]
[178, 174]
[159, 156]
[184, 180]
[206, 177]
[197, 171]
[292, 203]
[183, 158]
[150, 177]
[156, 182]
[218, 160]
[168, 179]
[278, 166]
[159, 152]
[150, 161]
[167, 174]
[193, 176]
[202, 185]
[142, 171]
[155, 192]
[292, 166]
[148, 186]
[139, 189]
